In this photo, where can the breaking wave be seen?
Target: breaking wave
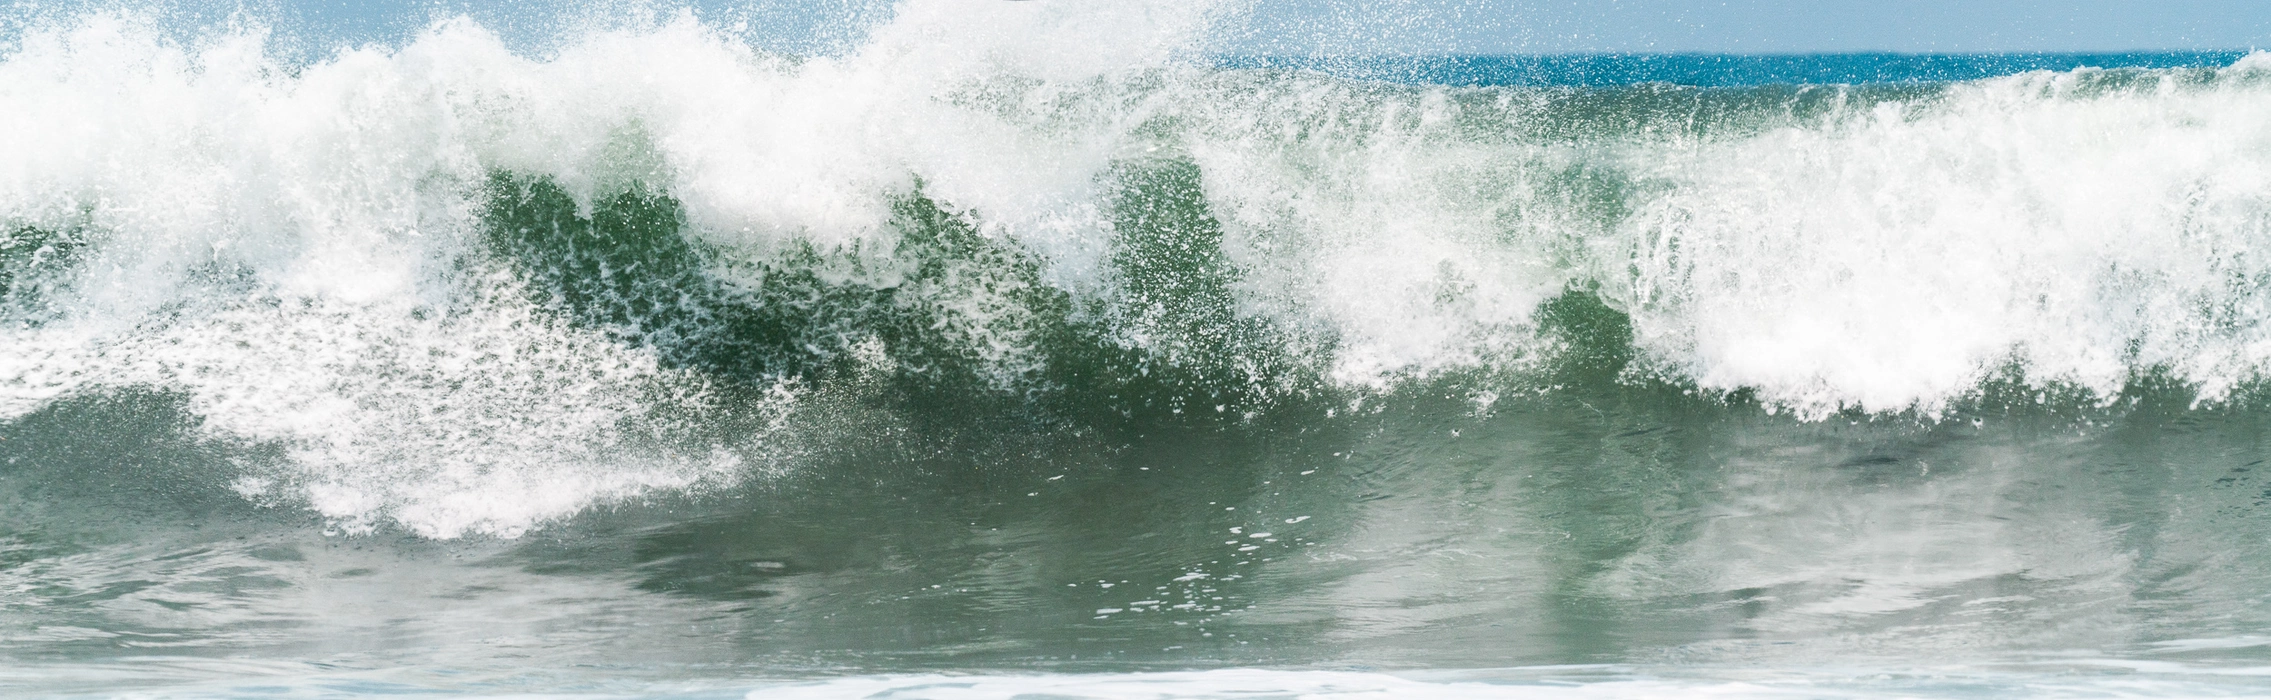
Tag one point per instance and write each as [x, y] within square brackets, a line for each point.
[459, 289]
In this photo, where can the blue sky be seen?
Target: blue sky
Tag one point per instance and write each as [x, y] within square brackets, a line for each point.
[1458, 26]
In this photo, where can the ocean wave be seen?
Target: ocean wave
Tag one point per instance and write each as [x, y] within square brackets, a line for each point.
[468, 290]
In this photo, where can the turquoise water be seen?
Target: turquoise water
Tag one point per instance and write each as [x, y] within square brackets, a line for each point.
[1068, 359]
[1722, 70]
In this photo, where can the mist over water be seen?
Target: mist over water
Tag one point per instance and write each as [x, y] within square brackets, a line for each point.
[1037, 348]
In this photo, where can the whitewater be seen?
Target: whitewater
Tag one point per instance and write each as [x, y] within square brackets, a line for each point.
[1038, 349]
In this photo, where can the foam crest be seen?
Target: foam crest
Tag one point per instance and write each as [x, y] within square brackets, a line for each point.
[1369, 215]
[1894, 255]
[295, 253]
[1836, 248]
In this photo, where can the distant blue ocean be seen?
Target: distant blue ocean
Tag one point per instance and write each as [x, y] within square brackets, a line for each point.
[1724, 70]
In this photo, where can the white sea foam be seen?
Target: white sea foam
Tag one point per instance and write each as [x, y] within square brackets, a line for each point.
[1884, 255]
[1890, 260]
[283, 250]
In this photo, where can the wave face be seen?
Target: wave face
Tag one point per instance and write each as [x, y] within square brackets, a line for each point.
[665, 321]
[421, 270]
